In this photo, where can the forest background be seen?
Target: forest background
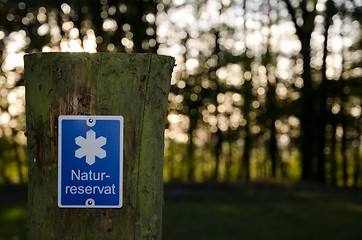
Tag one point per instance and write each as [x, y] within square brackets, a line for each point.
[261, 90]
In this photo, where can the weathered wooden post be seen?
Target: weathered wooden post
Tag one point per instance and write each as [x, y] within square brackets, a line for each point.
[134, 86]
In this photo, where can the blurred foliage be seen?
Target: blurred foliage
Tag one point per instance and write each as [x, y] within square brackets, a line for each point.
[33, 26]
[259, 91]
[262, 89]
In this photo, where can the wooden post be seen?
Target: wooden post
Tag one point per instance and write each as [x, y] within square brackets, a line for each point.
[135, 86]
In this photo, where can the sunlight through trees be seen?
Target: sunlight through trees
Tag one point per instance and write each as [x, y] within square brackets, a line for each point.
[260, 90]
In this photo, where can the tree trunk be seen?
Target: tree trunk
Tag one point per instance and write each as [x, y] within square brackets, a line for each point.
[344, 149]
[218, 152]
[191, 151]
[18, 162]
[229, 161]
[357, 161]
[272, 142]
[322, 120]
[132, 85]
[308, 114]
[245, 174]
[271, 104]
[333, 154]
[304, 34]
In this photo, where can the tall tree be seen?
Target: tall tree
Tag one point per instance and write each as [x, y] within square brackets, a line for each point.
[322, 97]
[246, 92]
[271, 105]
[304, 25]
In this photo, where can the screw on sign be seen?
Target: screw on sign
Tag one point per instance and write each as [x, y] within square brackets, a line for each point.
[90, 161]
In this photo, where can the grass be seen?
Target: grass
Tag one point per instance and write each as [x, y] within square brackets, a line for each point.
[250, 211]
[12, 212]
[262, 212]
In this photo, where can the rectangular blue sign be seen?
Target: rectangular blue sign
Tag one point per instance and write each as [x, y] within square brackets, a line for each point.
[90, 161]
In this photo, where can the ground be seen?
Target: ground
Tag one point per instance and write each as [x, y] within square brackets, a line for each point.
[249, 211]
[262, 211]
[13, 212]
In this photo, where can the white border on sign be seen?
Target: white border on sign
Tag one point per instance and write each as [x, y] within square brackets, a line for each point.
[95, 118]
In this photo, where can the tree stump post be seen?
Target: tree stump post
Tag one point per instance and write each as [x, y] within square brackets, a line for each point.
[135, 86]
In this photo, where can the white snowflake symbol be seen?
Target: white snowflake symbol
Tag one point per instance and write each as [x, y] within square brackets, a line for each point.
[90, 147]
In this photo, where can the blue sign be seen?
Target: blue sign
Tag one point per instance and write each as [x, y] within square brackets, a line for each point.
[90, 161]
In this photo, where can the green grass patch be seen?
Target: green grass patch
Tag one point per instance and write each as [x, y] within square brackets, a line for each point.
[12, 212]
[261, 212]
[250, 211]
